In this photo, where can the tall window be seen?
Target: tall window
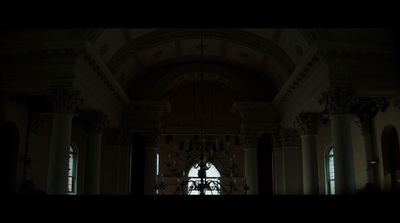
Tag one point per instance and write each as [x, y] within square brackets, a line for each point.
[158, 164]
[72, 170]
[330, 171]
[212, 174]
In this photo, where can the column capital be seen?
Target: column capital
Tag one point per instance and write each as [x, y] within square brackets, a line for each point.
[65, 100]
[285, 137]
[308, 122]
[96, 120]
[250, 138]
[338, 100]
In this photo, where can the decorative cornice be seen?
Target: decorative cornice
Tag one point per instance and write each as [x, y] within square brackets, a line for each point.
[311, 61]
[327, 51]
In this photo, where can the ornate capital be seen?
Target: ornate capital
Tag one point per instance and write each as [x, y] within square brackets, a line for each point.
[338, 101]
[249, 139]
[65, 100]
[96, 121]
[285, 137]
[308, 122]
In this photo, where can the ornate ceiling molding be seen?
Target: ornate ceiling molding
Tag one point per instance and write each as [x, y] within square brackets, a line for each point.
[326, 52]
[234, 35]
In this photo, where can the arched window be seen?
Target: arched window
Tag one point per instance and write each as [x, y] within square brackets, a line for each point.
[330, 171]
[212, 174]
[72, 167]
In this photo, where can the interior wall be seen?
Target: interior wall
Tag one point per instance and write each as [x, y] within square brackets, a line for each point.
[14, 111]
[390, 117]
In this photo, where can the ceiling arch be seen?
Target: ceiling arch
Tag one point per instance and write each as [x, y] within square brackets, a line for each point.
[256, 55]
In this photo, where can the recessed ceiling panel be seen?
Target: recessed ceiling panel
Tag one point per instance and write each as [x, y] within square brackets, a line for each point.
[157, 54]
[244, 54]
[191, 47]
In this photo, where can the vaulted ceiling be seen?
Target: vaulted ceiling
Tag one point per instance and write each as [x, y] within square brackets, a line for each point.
[255, 63]
[149, 62]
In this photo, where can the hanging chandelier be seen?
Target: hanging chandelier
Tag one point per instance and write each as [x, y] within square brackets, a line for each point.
[203, 150]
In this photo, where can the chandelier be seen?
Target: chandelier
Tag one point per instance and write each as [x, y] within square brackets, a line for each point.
[203, 150]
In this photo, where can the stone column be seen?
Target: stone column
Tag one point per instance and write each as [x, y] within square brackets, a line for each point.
[250, 141]
[287, 162]
[64, 104]
[115, 160]
[338, 102]
[97, 120]
[308, 122]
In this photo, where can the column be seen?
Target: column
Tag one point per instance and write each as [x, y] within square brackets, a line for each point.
[97, 120]
[367, 110]
[151, 149]
[287, 162]
[143, 117]
[338, 102]
[278, 160]
[64, 104]
[250, 141]
[115, 160]
[307, 122]
[257, 118]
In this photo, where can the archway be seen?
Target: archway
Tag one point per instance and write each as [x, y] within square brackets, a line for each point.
[391, 159]
[212, 173]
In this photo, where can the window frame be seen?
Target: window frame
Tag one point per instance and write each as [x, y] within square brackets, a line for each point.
[214, 178]
[330, 168]
[72, 174]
